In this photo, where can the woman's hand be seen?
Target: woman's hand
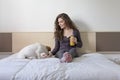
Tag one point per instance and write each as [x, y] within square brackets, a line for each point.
[50, 54]
[75, 40]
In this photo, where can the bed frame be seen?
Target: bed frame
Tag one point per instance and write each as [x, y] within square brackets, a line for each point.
[92, 41]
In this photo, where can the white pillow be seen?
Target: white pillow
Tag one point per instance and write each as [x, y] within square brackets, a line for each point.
[32, 51]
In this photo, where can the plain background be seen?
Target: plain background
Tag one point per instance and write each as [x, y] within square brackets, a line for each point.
[39, 15]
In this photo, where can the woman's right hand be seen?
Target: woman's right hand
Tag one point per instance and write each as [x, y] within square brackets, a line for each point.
[50, 54]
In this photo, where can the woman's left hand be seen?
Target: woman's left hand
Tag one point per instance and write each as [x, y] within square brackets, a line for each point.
[75, 40]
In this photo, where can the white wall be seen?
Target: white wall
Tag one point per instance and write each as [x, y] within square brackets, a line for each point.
[39, 15]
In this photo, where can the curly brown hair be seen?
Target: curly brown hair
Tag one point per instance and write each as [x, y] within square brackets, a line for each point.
[58, 33]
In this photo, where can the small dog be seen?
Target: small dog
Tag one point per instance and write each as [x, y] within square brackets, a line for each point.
[34, 51]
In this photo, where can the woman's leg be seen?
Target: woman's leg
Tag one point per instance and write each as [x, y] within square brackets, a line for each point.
[59, 54]
[73, 52]
[68, 56]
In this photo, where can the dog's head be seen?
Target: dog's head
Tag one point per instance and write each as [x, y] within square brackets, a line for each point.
[48, 48]
[45, 53]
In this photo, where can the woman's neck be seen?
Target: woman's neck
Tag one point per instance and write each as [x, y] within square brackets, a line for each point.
[67, 29]
[68, 32]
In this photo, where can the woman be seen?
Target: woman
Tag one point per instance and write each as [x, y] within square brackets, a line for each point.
[64, 29]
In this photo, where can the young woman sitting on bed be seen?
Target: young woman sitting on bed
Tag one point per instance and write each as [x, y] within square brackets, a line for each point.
[64, 29]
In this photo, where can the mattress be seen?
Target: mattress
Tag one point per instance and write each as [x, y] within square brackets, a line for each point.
[5, 54]
[9, 68]
[94, 66]
[112, 55]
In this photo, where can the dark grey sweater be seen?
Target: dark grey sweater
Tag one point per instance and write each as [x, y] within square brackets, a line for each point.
[65, 43]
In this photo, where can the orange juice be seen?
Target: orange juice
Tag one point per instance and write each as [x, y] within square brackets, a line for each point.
[72, 43]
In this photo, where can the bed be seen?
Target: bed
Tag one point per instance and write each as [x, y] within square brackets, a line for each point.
[94, 66]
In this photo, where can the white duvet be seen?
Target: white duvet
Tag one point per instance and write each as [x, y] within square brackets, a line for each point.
[87, 67]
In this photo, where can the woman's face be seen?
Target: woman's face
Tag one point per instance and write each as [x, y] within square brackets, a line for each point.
[61, 23]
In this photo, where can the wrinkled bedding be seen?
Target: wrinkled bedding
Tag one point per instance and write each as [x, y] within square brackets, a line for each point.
[10, 67]
[92, 66]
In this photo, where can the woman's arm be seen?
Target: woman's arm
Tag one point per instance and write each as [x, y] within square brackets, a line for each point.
[79, 41]
[56, 48]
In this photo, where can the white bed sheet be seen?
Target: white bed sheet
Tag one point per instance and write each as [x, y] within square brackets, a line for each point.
[9, 68]
[112, 55]
[87, 67]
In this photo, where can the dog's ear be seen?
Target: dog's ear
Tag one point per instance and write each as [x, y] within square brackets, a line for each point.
[48, 48]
